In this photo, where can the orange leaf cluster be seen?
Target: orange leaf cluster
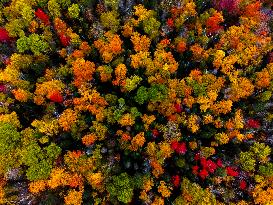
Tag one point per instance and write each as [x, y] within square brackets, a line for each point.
[120, 73]
[83, 71]
[110, 47]
[140, 42]
[67, 119]
[89, 139]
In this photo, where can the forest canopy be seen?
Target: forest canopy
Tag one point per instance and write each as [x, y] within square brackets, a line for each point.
[136, 102]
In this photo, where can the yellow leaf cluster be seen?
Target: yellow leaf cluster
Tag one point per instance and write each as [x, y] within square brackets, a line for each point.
[67, 119]
[141, 43]
[73, 197]
[164, 189]
[137, 141]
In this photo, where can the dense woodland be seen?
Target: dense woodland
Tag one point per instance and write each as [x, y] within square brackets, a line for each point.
[138, 102]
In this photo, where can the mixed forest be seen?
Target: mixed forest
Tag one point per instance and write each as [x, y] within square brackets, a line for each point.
[141, 102]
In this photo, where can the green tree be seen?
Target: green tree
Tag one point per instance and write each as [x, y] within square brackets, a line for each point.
[142, 95]
[110, 20]
[10, 141]
[121, 187]
[74, 11]
[34, 42]
[39, 160]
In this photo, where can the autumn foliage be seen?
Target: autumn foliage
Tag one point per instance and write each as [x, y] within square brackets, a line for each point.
[136, 102]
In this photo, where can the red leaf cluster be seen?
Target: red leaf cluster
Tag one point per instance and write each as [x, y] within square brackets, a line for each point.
[176, 180]
[206, 166]
[231, 172]
[4, 35]
[178, 147]
[178, 107]
[42, 16]
[56, 97]
[65, 40]
[251, 123]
